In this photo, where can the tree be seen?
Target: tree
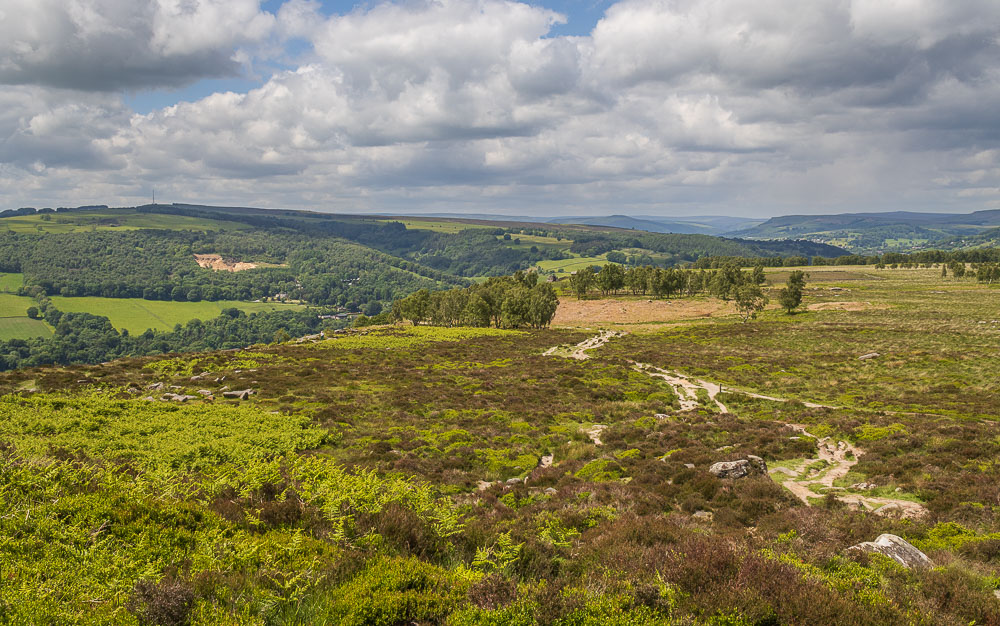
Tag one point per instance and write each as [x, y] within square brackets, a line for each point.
[611, 278]
[750, 300]
[582, 281]
[33, 312]
[542, 305]
[791, 296]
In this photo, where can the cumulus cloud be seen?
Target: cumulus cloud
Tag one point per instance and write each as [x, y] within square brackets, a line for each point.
[107, 45]
[723, 106]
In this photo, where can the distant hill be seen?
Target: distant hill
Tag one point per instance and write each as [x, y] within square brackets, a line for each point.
[711, 225]
[875, 232]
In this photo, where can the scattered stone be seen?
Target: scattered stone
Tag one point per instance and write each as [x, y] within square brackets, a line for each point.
[689, 465]
[242, 394]
[176, 387]
[483, 485]
[177, 397]
[661, 416]
[890, 510]
[703, 516]
[204, 392]
[740, 468]
[132, 390]
[226, 388]
[549, 491]
[863, 486]
[546, 461]
[897, 549]
[148, 398]
[514, 481]
[870, 355]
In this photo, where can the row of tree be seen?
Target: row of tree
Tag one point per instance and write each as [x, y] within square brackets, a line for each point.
[663, 283]
[502, 302]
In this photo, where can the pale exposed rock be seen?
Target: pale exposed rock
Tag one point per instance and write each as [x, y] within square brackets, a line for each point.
[870, 355]
[689, 465]
[546, 461]
[703, 516]
[241, 394]
[514, 481]
[204, 392]
[549, 491]
[751, 465]
[178, 397]
[897, 549]
[890, 510]
[155, 386]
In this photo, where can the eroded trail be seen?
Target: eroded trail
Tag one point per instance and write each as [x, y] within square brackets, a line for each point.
[684, 387]
[810, 479]
[833, 462]
[579, 351]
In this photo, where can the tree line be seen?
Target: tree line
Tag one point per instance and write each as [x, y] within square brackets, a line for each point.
[502, 302]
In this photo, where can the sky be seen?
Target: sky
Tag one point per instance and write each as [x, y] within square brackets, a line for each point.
[547, 107]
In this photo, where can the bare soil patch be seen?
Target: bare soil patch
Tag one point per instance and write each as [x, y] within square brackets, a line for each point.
[217, 263]
[572, 312]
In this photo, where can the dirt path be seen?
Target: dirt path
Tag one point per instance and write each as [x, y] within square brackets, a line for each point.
[684, 387]
[579, 351]
[840, 457]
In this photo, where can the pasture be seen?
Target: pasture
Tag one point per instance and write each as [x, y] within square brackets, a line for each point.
[136, 315]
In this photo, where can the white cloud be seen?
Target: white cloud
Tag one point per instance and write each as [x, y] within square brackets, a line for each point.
[726, 106]
[107, 45]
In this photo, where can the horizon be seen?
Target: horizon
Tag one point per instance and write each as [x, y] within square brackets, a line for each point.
[547, 107]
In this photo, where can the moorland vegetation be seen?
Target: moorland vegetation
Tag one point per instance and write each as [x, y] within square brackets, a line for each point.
[413, 473]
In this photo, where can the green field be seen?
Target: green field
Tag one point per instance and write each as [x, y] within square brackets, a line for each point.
[85, 221]
[136, 315]
[438, 226]
[564, 267]
[14, 321]
[11, 282]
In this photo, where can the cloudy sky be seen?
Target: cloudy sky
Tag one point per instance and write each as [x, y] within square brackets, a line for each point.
[548, 107]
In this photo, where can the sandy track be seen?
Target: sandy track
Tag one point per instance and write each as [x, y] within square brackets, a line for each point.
[579, 351]
[841, 457]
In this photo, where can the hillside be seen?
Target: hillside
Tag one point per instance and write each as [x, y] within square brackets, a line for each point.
[424, 475]
[868, 233]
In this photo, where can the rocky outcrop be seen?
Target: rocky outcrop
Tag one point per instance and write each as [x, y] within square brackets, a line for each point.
[241, 394]
[897, 549]
[750, 466]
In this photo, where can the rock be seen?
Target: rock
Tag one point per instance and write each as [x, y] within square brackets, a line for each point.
[546, 461]
[176, 387]
[204, 392]
[483, 485]
[870, 355]
[863, 486]
[177, 397]
[242, 394]
[549, 491]
[661, 416]
[155, 386]
[514, 481]
[897, 549]
[689, 465]
[751, 465]
[703, 516]
[890, 510]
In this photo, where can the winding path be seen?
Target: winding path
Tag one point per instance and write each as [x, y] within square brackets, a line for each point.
[839, 457]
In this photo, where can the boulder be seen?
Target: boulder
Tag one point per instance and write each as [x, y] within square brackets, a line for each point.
[897, 549]
[241, 394]
[870, 355]
[751, 465]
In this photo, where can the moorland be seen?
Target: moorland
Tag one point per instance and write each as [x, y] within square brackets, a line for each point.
[406, 473]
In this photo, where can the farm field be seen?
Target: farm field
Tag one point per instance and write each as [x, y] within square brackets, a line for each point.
[401, 474]
[14, 321]
[438, 226]
[86, 221]
[565, 267]
[10, 282]
[136, 314]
